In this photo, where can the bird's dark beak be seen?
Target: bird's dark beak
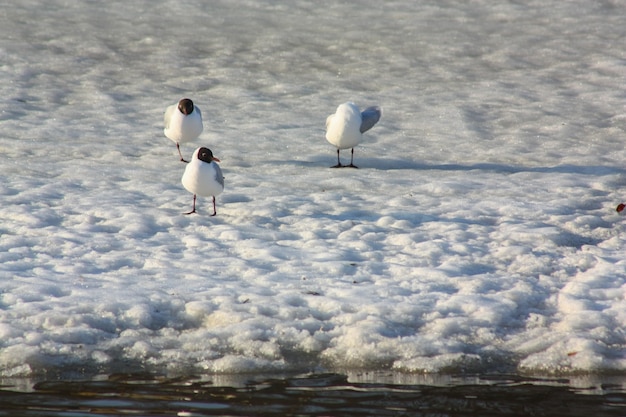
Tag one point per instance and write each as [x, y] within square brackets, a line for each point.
[216, 160]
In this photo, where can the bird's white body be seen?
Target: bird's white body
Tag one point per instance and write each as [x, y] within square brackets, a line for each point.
[182, 128]
[203, 178]
[343, 127]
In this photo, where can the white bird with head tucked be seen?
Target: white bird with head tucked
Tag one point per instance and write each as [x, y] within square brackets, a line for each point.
[183, 123]
[203, 177]
[345, 128]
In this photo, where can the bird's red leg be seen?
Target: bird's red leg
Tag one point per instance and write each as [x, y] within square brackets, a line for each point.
[181, 155]
[352, 159]
[214, 210]
[193, 210]
[338, 161]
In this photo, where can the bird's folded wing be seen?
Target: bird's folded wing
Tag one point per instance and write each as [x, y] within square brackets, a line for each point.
[369, 117]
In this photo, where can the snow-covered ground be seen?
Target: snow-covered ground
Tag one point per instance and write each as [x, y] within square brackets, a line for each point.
[479, 233]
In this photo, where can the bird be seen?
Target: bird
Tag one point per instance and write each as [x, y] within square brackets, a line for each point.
[203, 176]
[183, 123]
[345, 128]
[620, 208]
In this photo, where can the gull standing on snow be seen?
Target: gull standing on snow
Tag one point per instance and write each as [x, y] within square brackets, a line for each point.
[345, 128]
[203, 176]
[183, 123]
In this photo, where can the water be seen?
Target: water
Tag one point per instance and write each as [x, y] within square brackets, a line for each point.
[316, 395]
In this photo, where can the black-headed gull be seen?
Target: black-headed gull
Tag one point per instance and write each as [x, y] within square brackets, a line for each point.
[183, 123]
[203, 177]
[345, 128]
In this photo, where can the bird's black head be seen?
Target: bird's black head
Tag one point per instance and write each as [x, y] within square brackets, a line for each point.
[205, 154]
[185, 106]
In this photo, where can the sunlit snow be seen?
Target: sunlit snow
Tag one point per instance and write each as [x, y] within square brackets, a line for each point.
[479, 233]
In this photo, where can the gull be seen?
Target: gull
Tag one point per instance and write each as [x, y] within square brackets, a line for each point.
[183, 123]
[345, 128]
[203, 176]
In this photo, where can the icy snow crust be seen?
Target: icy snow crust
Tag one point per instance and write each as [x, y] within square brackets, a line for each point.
[478, 235]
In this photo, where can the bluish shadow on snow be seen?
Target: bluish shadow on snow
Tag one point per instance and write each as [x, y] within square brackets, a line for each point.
[386, 164]
[235, 198]
[573, 240]
[393, 164]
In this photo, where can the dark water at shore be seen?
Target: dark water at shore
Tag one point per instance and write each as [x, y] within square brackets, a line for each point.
[313, 395]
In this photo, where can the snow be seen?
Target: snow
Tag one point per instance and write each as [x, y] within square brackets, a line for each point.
[479, 234]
